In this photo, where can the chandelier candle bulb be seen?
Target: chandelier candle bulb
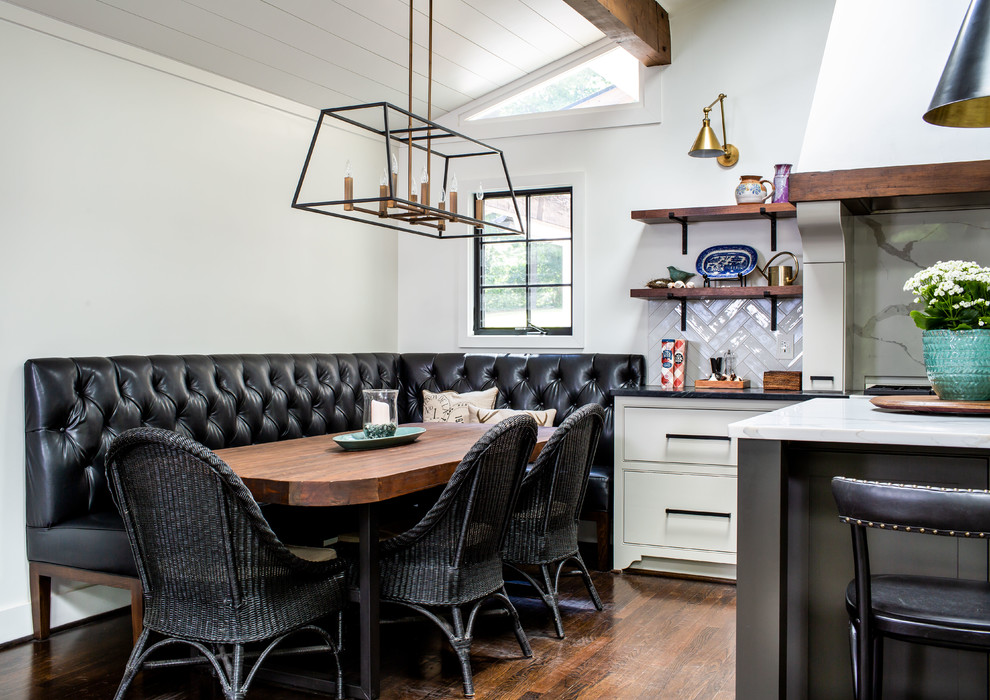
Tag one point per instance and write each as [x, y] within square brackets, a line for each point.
[348, 187]
[452, 196]
[383, 196]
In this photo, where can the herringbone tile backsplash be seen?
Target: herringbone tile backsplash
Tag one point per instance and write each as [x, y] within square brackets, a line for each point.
[715, 325]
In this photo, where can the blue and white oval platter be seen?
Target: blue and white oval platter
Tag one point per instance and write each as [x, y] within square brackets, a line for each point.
[726, 261]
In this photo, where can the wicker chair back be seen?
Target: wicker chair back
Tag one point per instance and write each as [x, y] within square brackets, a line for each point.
[453, 555]
[211, 567]
[544, 526]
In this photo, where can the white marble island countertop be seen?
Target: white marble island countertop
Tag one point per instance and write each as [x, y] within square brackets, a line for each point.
[856, 420]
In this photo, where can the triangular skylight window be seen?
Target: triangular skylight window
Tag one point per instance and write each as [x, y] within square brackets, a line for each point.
[611, 78]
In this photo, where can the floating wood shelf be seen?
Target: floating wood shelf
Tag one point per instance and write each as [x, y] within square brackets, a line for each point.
[734, 212]
[791, 290]
[682, 295]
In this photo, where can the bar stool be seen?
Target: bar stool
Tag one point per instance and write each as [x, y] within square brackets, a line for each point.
[944, 612]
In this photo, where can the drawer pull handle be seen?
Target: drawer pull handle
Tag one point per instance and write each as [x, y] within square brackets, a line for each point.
[707, 513]
[822, 378]
[680, 436]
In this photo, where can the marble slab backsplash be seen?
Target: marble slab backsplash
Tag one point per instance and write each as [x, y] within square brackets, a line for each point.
[888, 249]
[715, 325]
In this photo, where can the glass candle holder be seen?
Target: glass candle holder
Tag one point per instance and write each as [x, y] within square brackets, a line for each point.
[381, 412]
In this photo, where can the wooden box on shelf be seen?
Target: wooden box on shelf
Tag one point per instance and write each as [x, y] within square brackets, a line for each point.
[721, 384]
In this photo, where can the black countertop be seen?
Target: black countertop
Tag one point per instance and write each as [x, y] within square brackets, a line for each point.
[656, 391]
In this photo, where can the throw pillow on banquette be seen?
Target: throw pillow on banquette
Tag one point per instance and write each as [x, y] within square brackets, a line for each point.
[492, 416]
[451, 407]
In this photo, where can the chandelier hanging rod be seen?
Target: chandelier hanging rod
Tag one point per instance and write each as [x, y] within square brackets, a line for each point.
[414, 207]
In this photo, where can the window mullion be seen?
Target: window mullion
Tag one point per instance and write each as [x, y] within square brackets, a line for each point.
[529, 312]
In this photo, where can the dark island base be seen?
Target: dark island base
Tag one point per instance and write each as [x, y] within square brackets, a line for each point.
[795, 559]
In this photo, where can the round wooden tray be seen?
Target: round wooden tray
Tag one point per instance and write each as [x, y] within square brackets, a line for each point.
[931, 404]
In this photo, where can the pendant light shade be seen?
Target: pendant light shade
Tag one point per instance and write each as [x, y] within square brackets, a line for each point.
[962, 97]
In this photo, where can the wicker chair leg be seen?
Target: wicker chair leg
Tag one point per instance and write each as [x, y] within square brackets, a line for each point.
[237, 691]
[588, 583]
[133, 665]
[462, 647]
[521, 637]
[552, 598]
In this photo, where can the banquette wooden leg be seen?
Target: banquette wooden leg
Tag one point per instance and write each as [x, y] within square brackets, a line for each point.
[41, 575]
[41, 601]
[603, 536]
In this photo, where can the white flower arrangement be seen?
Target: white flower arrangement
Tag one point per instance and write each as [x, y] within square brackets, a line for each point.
[956, 295]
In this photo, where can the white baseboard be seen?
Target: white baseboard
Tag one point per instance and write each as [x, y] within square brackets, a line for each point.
[69, 604]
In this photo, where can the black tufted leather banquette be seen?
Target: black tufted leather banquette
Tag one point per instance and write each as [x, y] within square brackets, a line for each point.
[531, 382]
[76, 406]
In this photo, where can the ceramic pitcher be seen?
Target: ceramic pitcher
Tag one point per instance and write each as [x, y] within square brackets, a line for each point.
[751, 190]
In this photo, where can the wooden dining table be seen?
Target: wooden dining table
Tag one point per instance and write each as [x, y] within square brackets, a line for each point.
[316, 471]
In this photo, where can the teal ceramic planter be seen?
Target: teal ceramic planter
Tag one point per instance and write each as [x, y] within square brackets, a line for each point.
[958, 364]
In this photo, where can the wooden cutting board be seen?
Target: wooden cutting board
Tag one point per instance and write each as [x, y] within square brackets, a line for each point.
[931, 404]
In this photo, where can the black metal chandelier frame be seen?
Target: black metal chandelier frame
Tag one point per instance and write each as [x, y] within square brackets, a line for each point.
[391, 208]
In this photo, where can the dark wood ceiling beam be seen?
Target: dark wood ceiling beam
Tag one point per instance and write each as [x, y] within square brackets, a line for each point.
[641, 27]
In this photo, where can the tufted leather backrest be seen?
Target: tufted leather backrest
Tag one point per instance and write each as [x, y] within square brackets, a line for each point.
[74, 407]
[532, 382]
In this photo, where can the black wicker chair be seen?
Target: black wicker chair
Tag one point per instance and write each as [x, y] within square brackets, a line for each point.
[544, 527]
[215, 576]
[947, 612]
[452, 557]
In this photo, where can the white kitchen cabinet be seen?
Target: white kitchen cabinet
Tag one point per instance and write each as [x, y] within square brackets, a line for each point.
[675, 485]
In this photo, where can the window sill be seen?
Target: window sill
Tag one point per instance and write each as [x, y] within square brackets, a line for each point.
[534, 342]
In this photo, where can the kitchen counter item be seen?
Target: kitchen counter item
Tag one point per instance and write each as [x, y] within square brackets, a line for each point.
[721, 384]
[931, 404]
[781, 381]
[760, 394]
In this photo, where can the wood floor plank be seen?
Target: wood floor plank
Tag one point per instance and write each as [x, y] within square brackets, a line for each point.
[657, 638]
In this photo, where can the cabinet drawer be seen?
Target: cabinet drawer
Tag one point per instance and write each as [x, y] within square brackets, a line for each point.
[691, 511]
[695, 436]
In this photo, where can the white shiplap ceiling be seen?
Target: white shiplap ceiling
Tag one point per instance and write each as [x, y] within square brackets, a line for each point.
[325, 53]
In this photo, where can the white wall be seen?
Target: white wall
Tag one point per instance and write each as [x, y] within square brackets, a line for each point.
[144, 208]
[882, 62]
[765, 58]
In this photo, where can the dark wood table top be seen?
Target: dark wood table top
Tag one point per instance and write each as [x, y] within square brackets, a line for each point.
[315, 471]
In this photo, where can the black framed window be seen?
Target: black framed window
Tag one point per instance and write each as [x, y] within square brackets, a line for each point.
[524, 284]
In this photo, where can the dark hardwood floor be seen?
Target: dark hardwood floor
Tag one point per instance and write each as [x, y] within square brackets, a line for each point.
[657, 638]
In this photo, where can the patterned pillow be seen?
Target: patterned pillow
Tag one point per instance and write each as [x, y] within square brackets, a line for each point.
[451, 407]
[485, 415]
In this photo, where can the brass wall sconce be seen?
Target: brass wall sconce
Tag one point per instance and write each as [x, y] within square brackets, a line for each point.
[707, 144]
[962, 97]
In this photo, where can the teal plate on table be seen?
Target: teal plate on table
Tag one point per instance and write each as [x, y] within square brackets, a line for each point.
[357, 441]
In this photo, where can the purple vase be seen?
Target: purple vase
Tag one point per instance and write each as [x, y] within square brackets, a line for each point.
[781, 176]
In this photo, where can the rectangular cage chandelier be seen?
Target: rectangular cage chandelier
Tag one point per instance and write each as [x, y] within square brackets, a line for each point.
[365, 185]
[372, 194]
